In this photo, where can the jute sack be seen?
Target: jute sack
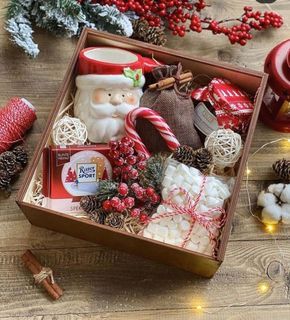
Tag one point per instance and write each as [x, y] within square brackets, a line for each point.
[175, 106]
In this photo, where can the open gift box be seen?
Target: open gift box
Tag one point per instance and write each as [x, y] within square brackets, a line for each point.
[252, 82]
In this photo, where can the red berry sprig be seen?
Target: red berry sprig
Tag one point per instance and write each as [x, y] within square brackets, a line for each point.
[126, 161]
[134, 199]
[177, 15]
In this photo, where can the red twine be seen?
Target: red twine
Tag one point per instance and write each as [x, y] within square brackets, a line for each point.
[209, 222]
[15, 119]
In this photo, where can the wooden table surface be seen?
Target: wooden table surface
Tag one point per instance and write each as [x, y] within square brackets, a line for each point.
[101, 283]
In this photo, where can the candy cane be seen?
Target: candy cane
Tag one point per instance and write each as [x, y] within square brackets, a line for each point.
[158, 122]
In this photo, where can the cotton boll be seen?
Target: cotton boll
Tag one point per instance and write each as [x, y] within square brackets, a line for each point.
[286, 213]
[266, 199]
[272, 214]
[285, 195]
[276, 188]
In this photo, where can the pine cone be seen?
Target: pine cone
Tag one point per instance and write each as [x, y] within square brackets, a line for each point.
[185, 155]
[98, 216]
[8, 163]
[5, 180]
[115, 220]
[203, 160]
[89, 203]
[282, 169]
[144, 32]
[21, 155]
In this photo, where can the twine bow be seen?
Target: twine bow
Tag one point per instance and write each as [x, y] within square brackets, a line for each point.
[43, 274]
[204, 218]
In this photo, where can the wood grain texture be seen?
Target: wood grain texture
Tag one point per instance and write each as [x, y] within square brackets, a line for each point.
[105, 284]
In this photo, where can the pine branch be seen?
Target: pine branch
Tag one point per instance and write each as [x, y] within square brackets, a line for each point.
[61, 17]
[107, 18]
[19, 26]
[152, 175]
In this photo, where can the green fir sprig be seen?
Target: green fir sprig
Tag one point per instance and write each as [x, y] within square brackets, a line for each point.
[62, 18]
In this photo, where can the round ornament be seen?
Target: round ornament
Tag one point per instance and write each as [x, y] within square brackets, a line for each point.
[69, 131]
[225, 146]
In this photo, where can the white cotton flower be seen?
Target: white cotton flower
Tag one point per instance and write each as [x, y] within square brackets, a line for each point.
[266, 199]
[272, 214]
[285, 196]
[276, 188]
[286, 213]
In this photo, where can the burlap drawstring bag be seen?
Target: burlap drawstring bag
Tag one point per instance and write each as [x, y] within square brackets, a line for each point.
[175, 106]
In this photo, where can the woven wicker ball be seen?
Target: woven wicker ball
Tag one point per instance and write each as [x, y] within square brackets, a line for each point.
[69, 131]
[225, 146]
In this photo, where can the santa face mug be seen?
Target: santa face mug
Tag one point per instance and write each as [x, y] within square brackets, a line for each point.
[109, 86]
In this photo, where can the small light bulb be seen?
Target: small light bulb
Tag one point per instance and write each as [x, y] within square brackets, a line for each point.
[263, 287]
[288, 140]
[248, 171]
[270, 228]
[199, 309]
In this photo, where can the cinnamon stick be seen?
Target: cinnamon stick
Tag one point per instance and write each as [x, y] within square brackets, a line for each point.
[35, 267]
[184, 77]
[171, 84]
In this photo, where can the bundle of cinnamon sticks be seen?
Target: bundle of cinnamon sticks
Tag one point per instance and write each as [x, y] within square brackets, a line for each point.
[36, 268]
[169, 82]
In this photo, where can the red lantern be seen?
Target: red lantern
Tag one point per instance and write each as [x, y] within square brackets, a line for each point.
[276, 107]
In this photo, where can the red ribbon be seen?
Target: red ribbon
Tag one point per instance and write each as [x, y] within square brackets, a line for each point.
[204, 218]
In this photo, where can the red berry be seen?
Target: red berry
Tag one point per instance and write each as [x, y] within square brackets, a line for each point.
[130, 151]
[129, 202]
[133, 174]
[119, 162]
[124, 149]
[135, 212]
[141, 157]
[141, 165]
[114, 154]
[121, 207]
[125, 140]
[155, 198]
[135, 186]
[143, 217]
[123, 189]
[131, 160]
[139, 193]
[150, 192]
[115, 202]
[107, 205]
[113, 145]
[127, 169]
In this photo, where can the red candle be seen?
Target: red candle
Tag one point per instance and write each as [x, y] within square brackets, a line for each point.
[276, 107]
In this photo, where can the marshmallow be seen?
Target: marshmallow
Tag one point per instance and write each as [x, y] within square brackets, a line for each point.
[184, 225]
[170, 170]
[167, 181]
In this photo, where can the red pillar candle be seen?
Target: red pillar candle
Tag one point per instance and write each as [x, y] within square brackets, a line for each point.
[276, 107]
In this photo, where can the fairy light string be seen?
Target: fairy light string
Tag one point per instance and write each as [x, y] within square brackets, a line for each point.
[268, 282]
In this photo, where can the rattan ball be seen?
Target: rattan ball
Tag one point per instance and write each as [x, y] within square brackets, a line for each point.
[225, 146]
[69, 131]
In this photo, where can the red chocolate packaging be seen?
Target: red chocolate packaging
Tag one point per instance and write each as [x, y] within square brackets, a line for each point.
[72, 172]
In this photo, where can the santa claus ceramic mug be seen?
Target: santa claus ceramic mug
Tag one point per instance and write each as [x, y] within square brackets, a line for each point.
[109, 85]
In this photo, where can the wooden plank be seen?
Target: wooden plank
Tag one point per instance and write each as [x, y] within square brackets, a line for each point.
[97, 280]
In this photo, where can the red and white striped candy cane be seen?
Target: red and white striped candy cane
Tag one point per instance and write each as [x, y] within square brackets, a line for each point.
[158, 122]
